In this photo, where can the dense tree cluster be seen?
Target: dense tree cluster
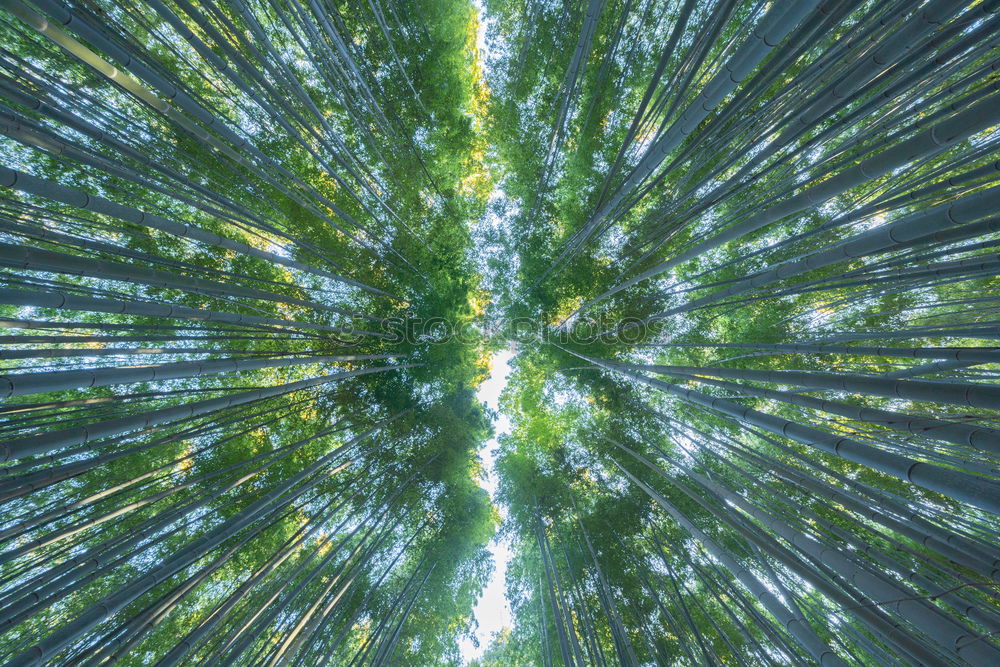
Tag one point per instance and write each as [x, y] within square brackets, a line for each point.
[759, 424]
[255, 256]
[219, 442]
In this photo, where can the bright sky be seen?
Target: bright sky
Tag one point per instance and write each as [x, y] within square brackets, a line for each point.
[492, 611]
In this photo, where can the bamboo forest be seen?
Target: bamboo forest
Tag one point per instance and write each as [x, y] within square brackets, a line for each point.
[500, 332]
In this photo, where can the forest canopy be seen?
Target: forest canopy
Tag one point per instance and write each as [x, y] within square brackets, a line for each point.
[258, 258]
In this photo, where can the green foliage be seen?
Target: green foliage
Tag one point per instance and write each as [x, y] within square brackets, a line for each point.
[256, 257]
